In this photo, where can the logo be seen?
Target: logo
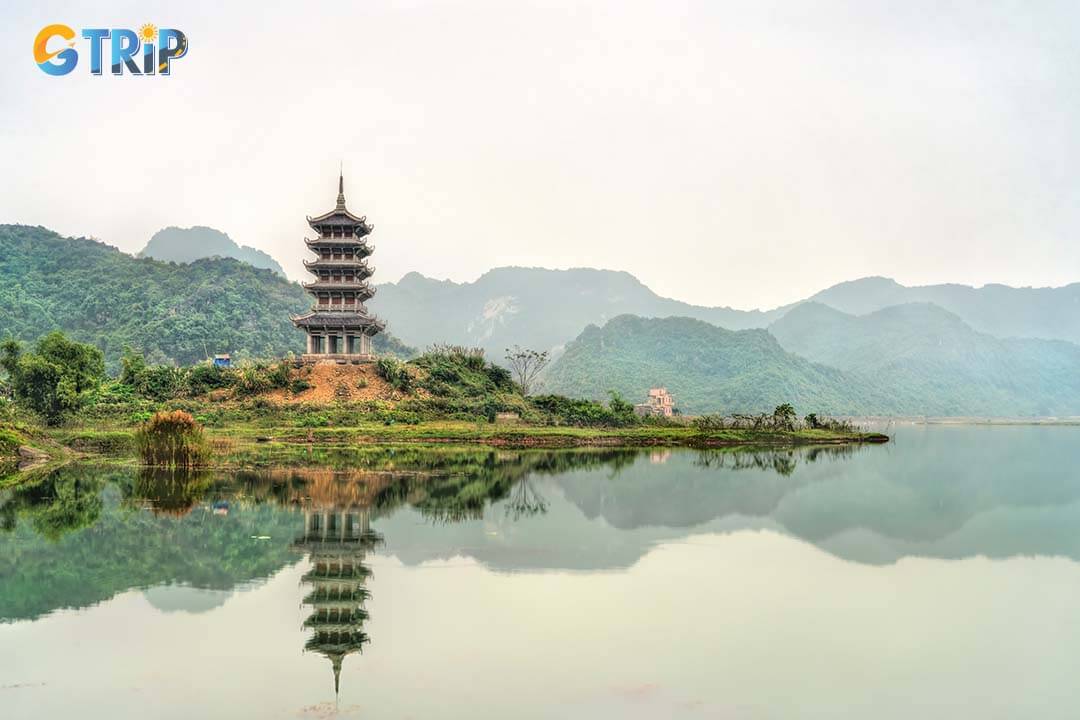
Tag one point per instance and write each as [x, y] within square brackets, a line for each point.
[146, 52]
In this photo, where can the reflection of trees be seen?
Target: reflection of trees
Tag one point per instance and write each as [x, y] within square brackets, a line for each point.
[170, 491]
[84, 534]
[781, 461]
[66, 499]
[525, 501]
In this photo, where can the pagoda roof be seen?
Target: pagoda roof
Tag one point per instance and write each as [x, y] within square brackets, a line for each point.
[358, 572]
[339, 285]
[339, 320]
[340, 263]
[351, 643]
[355, 242]
[341, 216]
[368, 539]
[337, 594]
[343, 623]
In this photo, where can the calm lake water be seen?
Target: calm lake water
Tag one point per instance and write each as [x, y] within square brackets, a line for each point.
[936, 577]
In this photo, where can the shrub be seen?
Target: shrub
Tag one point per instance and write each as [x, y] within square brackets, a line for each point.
[206, 377]
[313, 420]
[251, 380]
[171, 439]
[394, 372]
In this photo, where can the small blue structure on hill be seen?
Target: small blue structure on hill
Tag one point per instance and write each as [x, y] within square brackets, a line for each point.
[223, 360]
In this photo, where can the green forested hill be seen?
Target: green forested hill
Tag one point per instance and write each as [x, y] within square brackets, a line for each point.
[706, 368]
[915, 359]
[928, 358]
[172, 313]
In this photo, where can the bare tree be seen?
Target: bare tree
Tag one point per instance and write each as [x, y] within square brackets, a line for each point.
[526, 365]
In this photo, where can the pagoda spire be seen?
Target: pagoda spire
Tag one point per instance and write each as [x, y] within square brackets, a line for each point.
[336, 660]
[341, 189]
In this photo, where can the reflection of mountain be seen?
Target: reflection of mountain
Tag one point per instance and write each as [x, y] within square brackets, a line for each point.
[183, 598]
[947, 492]
[82, 535]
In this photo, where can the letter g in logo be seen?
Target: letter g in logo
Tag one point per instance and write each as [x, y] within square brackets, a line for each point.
[68, 57]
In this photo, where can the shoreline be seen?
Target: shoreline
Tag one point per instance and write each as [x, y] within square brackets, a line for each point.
[248, 446]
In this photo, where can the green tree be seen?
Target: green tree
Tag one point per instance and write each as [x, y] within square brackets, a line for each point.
[784, 417]
[56, 377]
[621, 409]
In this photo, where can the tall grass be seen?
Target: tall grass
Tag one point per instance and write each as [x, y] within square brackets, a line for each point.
[171, 439]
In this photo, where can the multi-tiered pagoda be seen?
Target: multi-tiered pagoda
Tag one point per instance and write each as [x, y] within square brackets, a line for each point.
[339, 327]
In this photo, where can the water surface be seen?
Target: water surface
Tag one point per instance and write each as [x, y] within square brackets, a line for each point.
[937, 576]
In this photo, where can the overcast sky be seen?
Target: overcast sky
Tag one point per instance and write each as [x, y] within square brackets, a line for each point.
[743, 154]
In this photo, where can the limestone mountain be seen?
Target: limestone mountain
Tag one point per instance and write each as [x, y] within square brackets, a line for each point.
[927, 357]
[185, 245]
[707, 368]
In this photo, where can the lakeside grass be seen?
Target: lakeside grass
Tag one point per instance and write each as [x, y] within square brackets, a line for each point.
[257, 444]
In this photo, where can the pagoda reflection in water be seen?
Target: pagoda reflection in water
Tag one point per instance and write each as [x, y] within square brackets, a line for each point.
[337, 540]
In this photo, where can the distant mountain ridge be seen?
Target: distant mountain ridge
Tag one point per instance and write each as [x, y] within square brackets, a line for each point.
[185, 245]
[532, 307]
[927, 357]
[999, 310]
[544, 309]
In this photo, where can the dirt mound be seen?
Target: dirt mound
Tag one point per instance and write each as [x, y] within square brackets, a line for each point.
[330, 382]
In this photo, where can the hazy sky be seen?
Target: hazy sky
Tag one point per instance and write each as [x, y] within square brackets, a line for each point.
[742, 154]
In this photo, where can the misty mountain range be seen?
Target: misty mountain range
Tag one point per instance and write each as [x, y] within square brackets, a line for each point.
[869, 346]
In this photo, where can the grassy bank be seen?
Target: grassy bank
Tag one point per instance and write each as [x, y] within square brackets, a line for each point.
[242, 445]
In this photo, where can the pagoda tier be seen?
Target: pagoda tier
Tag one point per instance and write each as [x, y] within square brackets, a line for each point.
[339, 222]
[339, 327]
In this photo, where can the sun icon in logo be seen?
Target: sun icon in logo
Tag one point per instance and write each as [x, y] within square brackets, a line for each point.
[148, 32]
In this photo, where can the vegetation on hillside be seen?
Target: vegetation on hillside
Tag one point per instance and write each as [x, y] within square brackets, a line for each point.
[706, 368]
[173, 314]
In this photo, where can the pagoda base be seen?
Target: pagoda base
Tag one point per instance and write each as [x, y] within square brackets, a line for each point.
[338, 358]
